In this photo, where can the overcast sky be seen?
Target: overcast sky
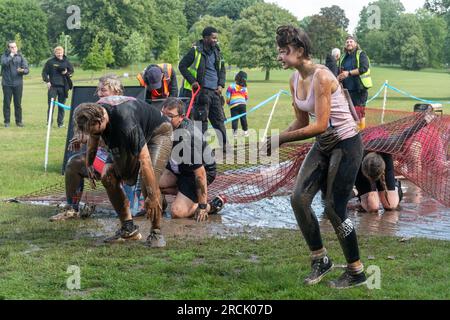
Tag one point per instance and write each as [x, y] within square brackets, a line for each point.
[352, 8]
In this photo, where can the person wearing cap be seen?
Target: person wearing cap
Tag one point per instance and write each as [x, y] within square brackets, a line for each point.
[160, 81]
[204, 66]
[354, 73]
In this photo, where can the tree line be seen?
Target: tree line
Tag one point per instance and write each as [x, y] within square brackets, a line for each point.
[116, 33]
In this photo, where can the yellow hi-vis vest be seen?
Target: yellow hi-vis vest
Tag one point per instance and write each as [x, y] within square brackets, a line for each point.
[366, 79]
[193, 69]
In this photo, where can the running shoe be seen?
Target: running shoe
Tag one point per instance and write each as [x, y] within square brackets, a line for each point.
[349, 280]
[125, 234]
[156, 239]
[320, 267]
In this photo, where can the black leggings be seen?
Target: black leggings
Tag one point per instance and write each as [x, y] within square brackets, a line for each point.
[238, 110]
[337, 170]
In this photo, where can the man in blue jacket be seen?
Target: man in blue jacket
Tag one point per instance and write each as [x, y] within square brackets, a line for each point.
[14, 67]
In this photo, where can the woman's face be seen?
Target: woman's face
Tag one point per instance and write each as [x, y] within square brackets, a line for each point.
[104, 91]
[289, 57]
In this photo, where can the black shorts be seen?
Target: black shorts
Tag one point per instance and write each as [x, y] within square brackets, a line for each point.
[186, 183]
[359, 99]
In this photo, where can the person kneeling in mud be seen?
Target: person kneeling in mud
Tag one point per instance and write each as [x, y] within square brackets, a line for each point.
[376, 183]
[139, 139]
[191, 167]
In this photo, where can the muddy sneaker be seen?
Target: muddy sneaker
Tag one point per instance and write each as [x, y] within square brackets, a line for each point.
[155, 239]
[320, 268]
[123, 235]
[217, 204]
[65, 215]
[87, 210]
[348, 280]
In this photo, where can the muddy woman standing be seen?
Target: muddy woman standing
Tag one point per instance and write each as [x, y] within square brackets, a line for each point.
[333, 161]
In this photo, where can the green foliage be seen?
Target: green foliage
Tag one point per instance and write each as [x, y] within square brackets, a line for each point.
[375, 45]
[434, 30]
[230, 8]
[335, 15]
[95, 59]
[223, 24]
[406, 26]
[440, 7]
[253, 43]
[18, 40]
[324, 35]
[171, 54]
[413, 56]
[170, 24]
[113, 20]
[26, 19]
[108, 53]
[194, 9]
[135, 48]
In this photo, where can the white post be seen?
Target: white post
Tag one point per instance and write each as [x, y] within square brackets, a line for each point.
[270, 117]
[49, 126]
[384, 101]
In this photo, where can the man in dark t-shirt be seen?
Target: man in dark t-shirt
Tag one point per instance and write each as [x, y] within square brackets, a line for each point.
[138, 137]
[191, 167]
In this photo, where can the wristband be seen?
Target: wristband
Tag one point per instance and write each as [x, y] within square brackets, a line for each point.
[202, 206]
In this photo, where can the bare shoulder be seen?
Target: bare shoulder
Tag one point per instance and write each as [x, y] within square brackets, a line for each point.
[324, 75]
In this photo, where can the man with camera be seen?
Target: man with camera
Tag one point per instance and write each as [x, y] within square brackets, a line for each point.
[14, 67]
[56, 74]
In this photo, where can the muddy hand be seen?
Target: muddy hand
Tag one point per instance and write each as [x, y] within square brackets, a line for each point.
[153, 208]
[201, 215]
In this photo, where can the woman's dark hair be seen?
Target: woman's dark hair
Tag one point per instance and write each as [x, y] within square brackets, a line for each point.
[296, 37]
[373, 168]
[241, 78]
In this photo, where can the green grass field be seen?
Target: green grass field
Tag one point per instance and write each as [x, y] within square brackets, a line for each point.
[35, 254]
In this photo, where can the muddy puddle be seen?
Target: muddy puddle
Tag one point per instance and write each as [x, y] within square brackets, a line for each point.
[419, 216]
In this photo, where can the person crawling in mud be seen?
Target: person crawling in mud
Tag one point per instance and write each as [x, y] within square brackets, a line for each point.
[191, 168]
[376, 183]
[333, 161]
[76, 171]
[138, 137]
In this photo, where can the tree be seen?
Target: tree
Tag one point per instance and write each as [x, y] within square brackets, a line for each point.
[440, 7]
[324, 35]
[412, 55]
[135, 48]
[105, 19]
[194, 10]
[170, 24]
[389, 10]
[406, 26]
[230, 8]
[172, 53]
[223, 24]
[253, 43]
[95, 60]
[27, 19]
[108, 53]
[335, 15]
[376, 45]
[434, 30]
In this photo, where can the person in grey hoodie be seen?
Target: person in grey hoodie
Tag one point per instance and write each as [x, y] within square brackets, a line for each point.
[14, 67]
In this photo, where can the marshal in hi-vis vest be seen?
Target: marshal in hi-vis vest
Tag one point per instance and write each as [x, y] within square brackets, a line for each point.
[366, 79]
[193, 69]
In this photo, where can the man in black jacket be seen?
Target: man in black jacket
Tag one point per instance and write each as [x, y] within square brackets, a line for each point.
[57, 73]
[204, 66]
[14, 67]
